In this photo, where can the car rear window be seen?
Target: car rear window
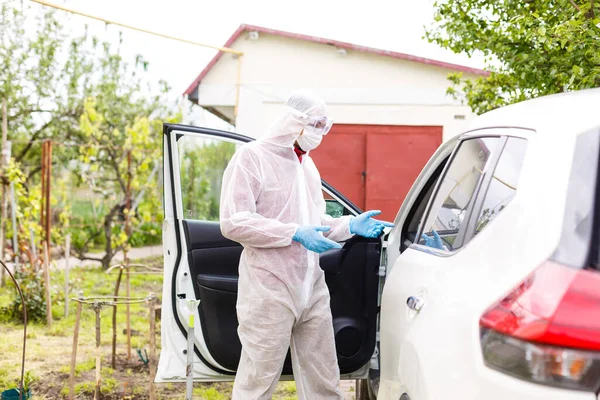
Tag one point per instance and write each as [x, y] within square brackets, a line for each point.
[579, 245]
[595, 254]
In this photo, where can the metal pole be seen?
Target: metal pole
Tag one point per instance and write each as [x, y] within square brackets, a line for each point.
[238, 84]
[33, 249]
[47, 284]
[48, 192]
[189, 370]
[67, 267]
[4, 156]
[43, 194]
[13, 211]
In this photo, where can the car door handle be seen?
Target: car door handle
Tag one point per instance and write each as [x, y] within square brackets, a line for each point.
[415, 303]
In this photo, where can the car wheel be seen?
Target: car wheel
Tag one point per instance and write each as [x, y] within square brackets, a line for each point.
[363, 390]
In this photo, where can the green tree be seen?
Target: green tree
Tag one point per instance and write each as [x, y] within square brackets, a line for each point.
[531, 47]
[42, 78]
[202, 167]
[118, 120]
[80, 93]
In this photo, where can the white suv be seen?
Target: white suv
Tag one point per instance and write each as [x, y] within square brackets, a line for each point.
[505, 304]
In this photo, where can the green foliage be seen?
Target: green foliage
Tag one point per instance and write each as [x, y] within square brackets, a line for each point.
[80, 93]
[32, 286]
[119, 154]
[81, 367]
[209, 393]
[29, 200]
[202, 166]
[532, 48]
[28, 380]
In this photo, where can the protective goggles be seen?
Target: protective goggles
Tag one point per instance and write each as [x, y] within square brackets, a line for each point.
[320, 125]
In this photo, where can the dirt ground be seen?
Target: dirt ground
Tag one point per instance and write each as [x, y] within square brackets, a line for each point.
[49, 348]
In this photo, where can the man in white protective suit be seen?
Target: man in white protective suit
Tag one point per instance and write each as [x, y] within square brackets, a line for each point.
[273, 205]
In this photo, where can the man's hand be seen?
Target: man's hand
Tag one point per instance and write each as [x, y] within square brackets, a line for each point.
[312, 238]
[434, 241]
[368, 227]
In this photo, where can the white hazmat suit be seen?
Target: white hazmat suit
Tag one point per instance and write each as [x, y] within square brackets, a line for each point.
[282, 300]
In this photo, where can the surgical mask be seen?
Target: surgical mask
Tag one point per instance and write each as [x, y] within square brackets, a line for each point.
[309, 139]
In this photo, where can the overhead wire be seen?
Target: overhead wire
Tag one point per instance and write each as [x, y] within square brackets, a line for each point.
[238, 54]
[135, 28]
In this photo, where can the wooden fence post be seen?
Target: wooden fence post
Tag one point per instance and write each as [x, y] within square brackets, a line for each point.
[67, 267]
[97, 309]
[114, 320]
[126, 257]
[152, 339]
[74, 351]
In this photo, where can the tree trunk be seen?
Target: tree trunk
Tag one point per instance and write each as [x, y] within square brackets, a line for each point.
[108, 220]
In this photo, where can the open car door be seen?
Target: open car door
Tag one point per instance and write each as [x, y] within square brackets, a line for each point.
[201, 264]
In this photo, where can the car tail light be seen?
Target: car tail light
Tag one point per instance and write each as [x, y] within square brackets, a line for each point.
[547, 330]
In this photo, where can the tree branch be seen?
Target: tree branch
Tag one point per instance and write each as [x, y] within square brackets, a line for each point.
[84, 258]
[85, 247]
[33, 138]
[113, 160]
[29, 111]
[33, 172]
[37, 133]
[574, 5]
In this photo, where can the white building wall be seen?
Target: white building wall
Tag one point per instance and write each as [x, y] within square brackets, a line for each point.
[359, 87]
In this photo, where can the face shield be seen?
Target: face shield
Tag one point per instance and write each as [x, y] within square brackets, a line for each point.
[319, 125]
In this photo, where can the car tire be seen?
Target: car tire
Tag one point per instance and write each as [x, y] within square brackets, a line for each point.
[363, 390]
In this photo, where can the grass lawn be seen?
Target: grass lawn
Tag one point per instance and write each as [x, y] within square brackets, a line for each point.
[49, 348]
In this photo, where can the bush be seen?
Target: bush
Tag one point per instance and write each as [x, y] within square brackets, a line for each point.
[32, 286]
[148, 234]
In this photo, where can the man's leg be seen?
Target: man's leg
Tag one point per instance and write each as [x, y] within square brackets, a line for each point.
[265, 325]
[314, 357]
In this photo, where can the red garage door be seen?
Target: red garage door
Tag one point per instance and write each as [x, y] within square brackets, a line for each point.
[376, 165]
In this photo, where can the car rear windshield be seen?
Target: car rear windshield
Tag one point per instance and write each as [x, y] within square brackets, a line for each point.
[579, 243]
[595, 253]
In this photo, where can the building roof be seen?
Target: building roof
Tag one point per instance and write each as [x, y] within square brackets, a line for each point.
[251, 28]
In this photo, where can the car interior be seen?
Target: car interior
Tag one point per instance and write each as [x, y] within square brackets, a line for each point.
[415, 215]
[351, 274]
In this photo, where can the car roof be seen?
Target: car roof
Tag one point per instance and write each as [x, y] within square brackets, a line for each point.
[560, 114]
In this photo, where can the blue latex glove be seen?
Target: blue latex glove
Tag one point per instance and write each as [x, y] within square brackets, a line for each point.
[312, 238]
[435, 241]
[366, 226]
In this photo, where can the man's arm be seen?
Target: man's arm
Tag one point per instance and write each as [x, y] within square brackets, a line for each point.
[239, 220]
[340, 227]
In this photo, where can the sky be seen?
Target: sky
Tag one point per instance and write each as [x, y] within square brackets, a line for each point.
[396, 25]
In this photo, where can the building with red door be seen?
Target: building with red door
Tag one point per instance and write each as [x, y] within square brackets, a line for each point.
[391, 110]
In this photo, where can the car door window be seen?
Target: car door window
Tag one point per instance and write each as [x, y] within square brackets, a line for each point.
[503, 185]
[202, 162]
[448, 213]
[417, 212]
[334, 208]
